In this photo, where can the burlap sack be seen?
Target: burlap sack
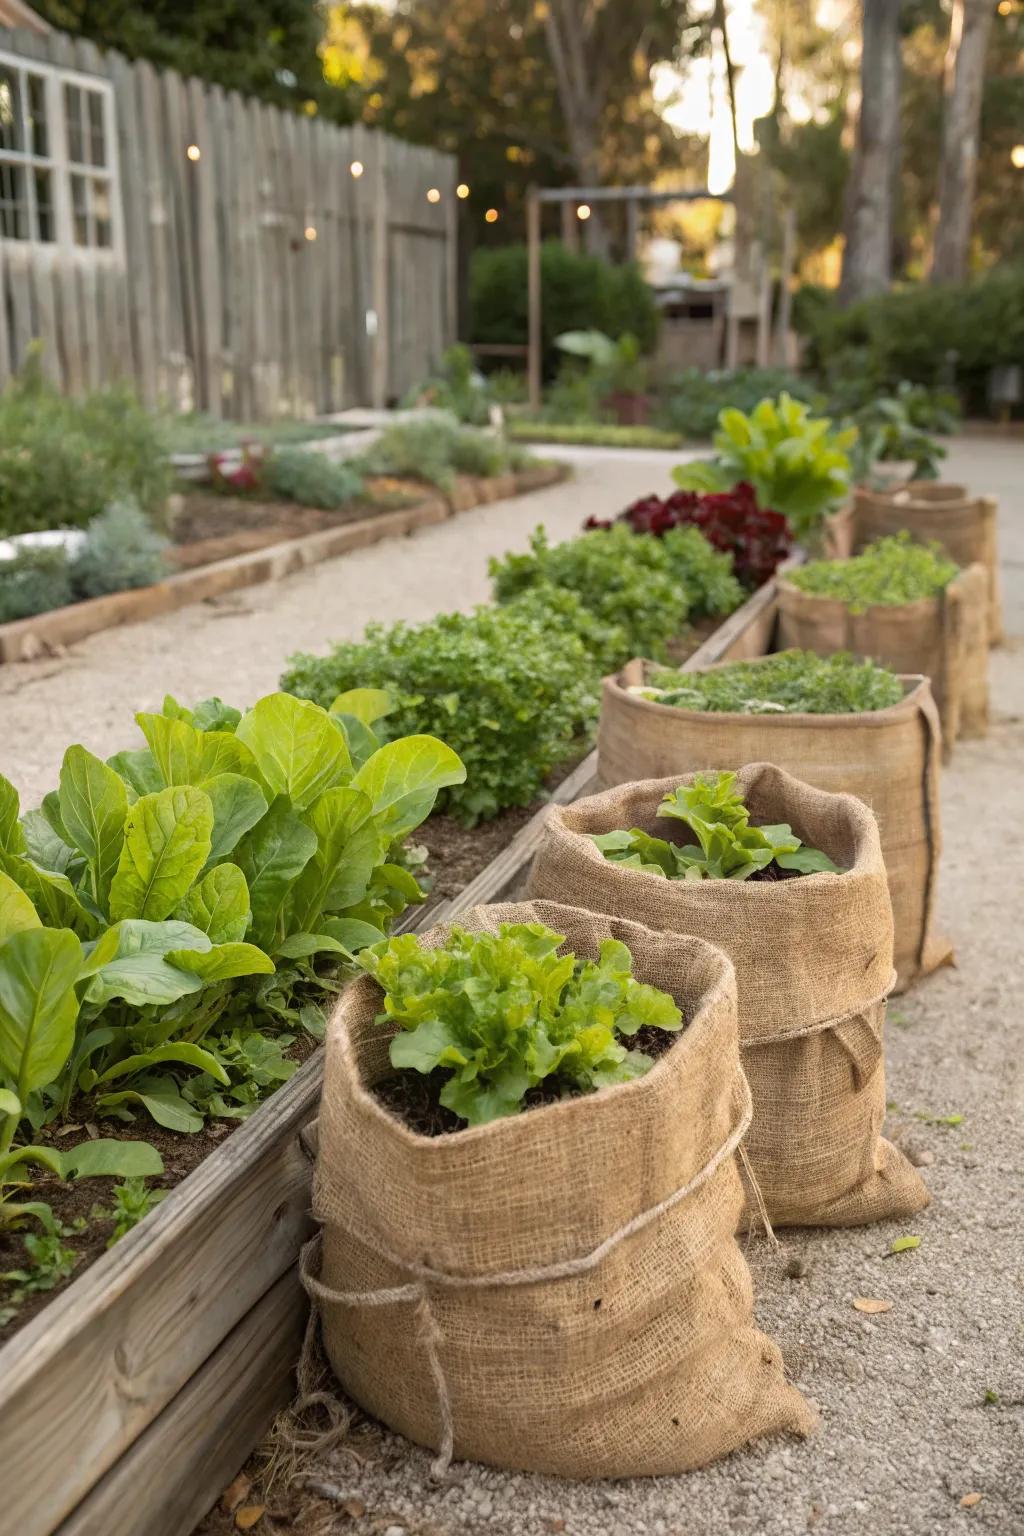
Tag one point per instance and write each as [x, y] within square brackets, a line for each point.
[935, 636]
[560, 1290]
[964, 525]
[889, 758]
[813, 960]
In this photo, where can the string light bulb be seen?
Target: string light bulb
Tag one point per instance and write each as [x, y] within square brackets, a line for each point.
[1017, 156]
[462, 190]
[357, 168]
[310, 231]
[193, 152]
[583, 211]
[433, 195]
[491, 216]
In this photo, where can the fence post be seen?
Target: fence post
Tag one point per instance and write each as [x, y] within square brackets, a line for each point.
[380, 275]
[533, 284]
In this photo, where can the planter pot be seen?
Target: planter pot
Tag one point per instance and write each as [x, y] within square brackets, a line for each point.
[935, 636]
[559, 1290]
[889, 758]
[813, 959]
[630, 410]
[965, 526]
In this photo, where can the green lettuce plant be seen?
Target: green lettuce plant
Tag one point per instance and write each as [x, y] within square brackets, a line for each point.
[727, 846]
[501, 1013]
[791, 682]
[795, 462]
[888, 573]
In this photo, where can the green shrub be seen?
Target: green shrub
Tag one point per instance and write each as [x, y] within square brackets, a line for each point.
[311, 479]
[121, 550]
[640, 591]
[794, 461]
[691, 401]
[508, 692]
[196, 432]
[478, 453]
[435, 449]
[934, 334]
[792, 682]
[889, 572]
[456, 387]
[578, 292]
[62, 460]
[34, 581]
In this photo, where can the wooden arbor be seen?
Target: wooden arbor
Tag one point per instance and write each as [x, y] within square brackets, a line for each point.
[632, 197]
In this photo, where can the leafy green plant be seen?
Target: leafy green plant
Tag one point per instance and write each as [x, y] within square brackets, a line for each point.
[795, 462]
[640, 591]
[173, 872]
[887, 432]
[49, 1261]
[63, 458]
[890, 572]
[133, 1200]
[122, 549]
[435, 449]
[615, 366]
[456, 387]
[503, 1013]
[507, 690]
[791, 682]
[727, 847]
[34, 581]
[589, 433]
[311, 479]
[690, 402]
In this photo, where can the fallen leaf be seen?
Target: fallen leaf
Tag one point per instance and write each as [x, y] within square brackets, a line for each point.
[235, 1493]
[354, 1508]
[871, 1304]
[969, 1500]
[248, 1516]
[904, 1244]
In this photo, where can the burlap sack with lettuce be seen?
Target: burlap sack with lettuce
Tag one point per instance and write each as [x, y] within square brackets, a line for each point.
[889, 758]
[813, 958]
[542, 1292]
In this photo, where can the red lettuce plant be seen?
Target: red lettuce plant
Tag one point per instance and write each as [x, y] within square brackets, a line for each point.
[757, 538]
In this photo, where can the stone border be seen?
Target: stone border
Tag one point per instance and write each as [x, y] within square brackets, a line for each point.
[48, 633]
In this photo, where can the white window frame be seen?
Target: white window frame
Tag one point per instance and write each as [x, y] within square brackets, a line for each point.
[61, 167]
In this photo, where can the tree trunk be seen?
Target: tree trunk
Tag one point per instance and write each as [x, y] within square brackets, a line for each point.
[870, 195]
[964, 86]
[566, 25]
[722, 25]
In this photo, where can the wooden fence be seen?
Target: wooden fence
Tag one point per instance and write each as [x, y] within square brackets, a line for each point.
[249, 273]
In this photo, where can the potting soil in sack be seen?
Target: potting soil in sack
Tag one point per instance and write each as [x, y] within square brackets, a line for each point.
[557, 1289]
[888, 756]
[813, 959]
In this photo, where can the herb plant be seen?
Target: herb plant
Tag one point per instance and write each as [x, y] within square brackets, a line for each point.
[502, 1013]
[791, 682]
[727, 847]
[122, 550]
[507, 690]
[34, 581]
[641, 589]
[435, 449]
[311, 479]
[794, 461]
[890, 572]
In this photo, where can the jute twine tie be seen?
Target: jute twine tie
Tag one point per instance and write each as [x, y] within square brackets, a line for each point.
[418, 1290]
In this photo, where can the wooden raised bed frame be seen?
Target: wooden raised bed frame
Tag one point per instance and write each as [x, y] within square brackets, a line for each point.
[130, 1402]
[25, 639]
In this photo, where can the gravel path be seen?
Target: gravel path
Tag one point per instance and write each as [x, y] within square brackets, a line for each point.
[236, 645]
[922, 1407]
